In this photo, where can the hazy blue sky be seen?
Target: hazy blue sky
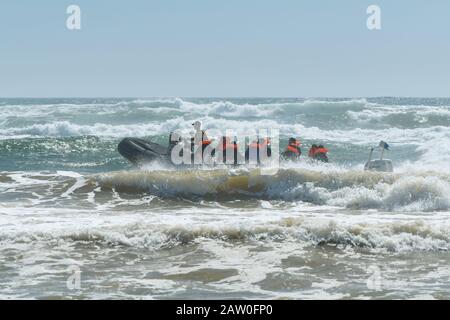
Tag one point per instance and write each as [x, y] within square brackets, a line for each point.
[224, 48]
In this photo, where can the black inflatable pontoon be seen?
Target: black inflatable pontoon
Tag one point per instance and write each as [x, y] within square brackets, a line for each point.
[139, 151]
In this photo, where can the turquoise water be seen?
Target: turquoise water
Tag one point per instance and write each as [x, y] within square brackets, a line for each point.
[67, 198]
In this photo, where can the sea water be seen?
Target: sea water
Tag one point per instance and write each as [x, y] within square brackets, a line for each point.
[78, 221]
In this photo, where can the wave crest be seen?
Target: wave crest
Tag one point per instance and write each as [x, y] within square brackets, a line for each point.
[426, 191]
[395, 236]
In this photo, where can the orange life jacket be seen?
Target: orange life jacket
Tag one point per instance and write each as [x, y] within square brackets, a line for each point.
[205, 142]
[320, 150]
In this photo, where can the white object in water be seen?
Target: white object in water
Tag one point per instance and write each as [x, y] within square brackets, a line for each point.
[382, 165]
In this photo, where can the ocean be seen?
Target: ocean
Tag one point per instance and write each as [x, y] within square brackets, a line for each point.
[78, 221]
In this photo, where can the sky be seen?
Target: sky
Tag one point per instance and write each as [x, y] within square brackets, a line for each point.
[224, 48]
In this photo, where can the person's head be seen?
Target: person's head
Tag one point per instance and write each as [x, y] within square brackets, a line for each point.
[197, 125]
[320, 146]
[314, 146]
[292, 141]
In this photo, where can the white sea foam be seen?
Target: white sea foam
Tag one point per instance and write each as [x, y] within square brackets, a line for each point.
[416, 114]
[67, 129]
[355, 136]
[222, 108]
[376, 231]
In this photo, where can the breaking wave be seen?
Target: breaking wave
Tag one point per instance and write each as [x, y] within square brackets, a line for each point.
[412, 192]
[358, 232]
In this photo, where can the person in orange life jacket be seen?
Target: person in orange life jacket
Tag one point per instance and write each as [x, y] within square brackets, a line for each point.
[255, 147]
[229, 146]
[312, 150]
[199, 139]
[293, 150]
[319, 153]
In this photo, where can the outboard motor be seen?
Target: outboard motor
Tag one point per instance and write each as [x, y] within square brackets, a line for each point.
[381, 165]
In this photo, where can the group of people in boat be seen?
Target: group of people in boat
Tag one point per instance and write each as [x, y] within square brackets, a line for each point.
[292, 152]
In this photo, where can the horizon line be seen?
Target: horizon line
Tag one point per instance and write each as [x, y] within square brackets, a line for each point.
[225, 97]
